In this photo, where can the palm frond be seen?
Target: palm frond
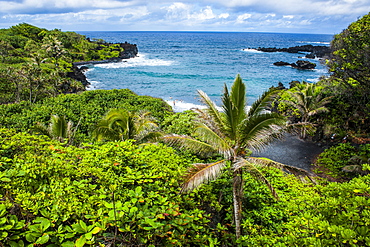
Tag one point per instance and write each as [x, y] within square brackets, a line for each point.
[103, 131]
[238, 96]
[232, 119]
[183, 141]
[220, 143]
[148, 136]
[58, 126]
[72, 132]
[205, 119]
[120, 124]
[201, 173]
[261, 104]
[296, 171]
[41, 129]
[260, 130]
[255, 172]
[212, 110]
[234, 105]
[317, 111]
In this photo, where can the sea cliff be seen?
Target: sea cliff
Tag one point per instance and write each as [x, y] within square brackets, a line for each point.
[129, 51]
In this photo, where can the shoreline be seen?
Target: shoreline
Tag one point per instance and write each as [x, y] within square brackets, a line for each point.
[129, 51]
[291, 150]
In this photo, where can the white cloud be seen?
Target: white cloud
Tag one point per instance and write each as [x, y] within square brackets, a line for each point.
[41, 6]
[224, 16]
[204, 14]
[178, 11]
[242, 18]
[211, 15]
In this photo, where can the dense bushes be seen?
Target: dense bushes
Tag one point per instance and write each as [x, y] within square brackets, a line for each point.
[350, 80]
[35, 62]
[53, 195]
[344, 160]
[87, 108]
[65, 195]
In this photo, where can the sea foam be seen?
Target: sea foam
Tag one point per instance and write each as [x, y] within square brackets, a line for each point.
[140, 61]
[314, 42]
[180, 106]
[251, 50]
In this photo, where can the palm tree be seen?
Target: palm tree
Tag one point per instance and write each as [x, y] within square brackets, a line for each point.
[309, 101]
[120, 124]
[233, 133]
[58, 129]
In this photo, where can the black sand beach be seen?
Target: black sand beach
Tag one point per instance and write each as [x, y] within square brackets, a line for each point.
[292, 151]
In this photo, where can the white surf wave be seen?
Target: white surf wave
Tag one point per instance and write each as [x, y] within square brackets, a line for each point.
[313, 80]
[89, 70]
[180, 106]
[94, 85]
[314, 42]
[251, 50]
[140, 60]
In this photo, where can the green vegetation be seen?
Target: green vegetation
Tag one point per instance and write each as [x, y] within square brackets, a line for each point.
[58, 129]
[61, 187]
[345, 161]
[127, 194]
[86, 108]
[35, 62]
[341, 101]
[232, 133]
[350, 80]
[120, 124]
[306, 101]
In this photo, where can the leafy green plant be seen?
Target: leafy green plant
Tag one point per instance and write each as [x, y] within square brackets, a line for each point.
[233, 133]
[86, 108]
[120, 124]
[338, 159]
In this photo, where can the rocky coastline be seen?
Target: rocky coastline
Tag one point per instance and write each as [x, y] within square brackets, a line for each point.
[310, 52]
[78, 68]
[317, 51]
[300, 64]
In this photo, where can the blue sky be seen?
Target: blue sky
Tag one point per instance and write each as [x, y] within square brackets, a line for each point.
[286, 16]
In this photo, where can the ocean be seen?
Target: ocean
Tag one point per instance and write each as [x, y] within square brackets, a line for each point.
[174, 65]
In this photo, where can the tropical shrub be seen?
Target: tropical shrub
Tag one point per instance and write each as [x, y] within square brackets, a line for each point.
[181, 123]
[350, 79]
[88, 106]
[35, 62]
[339, 160]
[112, 192]
[336, 214]
[119, 192]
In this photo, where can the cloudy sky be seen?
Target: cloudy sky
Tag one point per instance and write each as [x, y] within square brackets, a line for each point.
[287, 16]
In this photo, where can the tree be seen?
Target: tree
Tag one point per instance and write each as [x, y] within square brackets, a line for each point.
[58, 129]
[351, 49]
[233, 133]
[309, 101]
[120, 124]
[350, 67]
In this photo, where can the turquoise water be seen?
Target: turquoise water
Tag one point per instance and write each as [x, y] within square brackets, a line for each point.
[174, 65]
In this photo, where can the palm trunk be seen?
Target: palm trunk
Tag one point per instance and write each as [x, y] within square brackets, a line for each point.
[237, 200]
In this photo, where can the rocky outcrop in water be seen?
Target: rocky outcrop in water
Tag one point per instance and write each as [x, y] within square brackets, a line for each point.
[300, 64]
[129, 51]
[78, 74]
[313, 51]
